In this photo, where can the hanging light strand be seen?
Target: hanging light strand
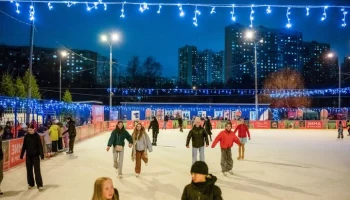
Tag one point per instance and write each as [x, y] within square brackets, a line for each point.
[233, 17]
[182, 13]
[159, 8]
[251, 16]
[50, 6]
[31, 13]
[196, 12]
[344, 17]
[212, 10]
[70, 3]
[122, 10]
[268, 10]
[324, 15]
[288, 18]
[307, 11]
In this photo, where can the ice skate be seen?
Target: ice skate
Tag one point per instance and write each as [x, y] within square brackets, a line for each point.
[30, 187]
[137, 175]
[238, 158]
[225, 173]
[120, 176]
[41, 188]
[1, 193]
[230, 172]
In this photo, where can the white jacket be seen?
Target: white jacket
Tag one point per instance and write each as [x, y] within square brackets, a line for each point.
[46, 135]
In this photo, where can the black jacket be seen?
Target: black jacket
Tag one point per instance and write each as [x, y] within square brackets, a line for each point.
[166, 118]
[1, 153]
[207, 126]
[198, 135]
[32, 146]
[155, 126]
[7, 133]
[203, 191]
[71, 129]
[180, 121]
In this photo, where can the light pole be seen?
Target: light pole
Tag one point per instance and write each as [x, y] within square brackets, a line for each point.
[250, 36]
[331, 55]
[63, 54]
[109, 40]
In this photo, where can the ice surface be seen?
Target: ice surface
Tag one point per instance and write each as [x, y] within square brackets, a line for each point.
[280, 164]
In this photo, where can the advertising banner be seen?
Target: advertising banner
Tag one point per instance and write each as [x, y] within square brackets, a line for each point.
[186, 115]
[312, 124]
[160, 114]
[112, 125]
[227, 114]
[260, 124]
[213, 123]
[129, 125]
[97, 113]
[148, 114]
[15, 152]
[218, 114]
[135, 115]
[84, 132]
[6, 149]
[274, 124]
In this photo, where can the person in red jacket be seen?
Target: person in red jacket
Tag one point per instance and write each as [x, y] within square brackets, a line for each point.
[243, 132]
[226, 139]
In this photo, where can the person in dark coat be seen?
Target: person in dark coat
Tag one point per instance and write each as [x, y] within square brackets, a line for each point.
[34, 151]
[72, 134]
[166, 119]
[180, 121]
[202, 185]
[199, 138]
[155, 130]
[7, 131]
[208, 127]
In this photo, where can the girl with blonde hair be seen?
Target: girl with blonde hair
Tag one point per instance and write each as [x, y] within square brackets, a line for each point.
[104, 190]
[142, 143]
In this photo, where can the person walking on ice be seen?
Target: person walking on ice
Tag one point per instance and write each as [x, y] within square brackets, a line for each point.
[118, 135]
[243, 132]
[198, 135]
[155, 130]
[340, 130]
[226, 139]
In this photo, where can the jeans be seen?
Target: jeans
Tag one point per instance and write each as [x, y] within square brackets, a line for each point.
[201, 154]
[118, 157]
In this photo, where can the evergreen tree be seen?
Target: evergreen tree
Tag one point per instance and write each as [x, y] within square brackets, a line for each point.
[7, 87]
[20, 89]
[67, 97]
[35, 88]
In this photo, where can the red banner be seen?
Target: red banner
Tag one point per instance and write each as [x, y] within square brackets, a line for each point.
[145, 123]
[129, 125]
[6, 151]
[97, 113]
[83, 132]
[15, 152]
[260, 124]
[213, 124]
[314, 124]
[234, 124]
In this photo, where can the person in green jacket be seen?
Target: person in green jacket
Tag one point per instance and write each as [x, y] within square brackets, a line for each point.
[198, 135]
[118, 135]
[203, 184]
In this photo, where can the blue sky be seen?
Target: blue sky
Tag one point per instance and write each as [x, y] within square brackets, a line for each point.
[151, 34]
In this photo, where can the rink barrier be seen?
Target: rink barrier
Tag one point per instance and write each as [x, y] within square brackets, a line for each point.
[12, 148]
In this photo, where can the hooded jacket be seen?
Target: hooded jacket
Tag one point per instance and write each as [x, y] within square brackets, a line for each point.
[202, 191]
[226, 139]
[198, 135]
[118, 136]
[71, 129]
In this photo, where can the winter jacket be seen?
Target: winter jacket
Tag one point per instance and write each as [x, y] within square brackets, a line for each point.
[198, 135]
[32, 146]
[243, 131]
[203, 191]
[46, 136]
[21, 133]
[1, 152]
[155, 126]
[54, 132]
[118, 136]
[143, 144]
[180, 121]
[166, 118]
[7, 133]
[71, 129]
[207, 126]
[226, 139]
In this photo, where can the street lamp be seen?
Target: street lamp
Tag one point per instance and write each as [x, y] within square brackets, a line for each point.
[250, 36]
[109, 40]
[331, 55]
[63, 54]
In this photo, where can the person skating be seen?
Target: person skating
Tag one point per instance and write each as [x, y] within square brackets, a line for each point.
[54, 134]
[348, 126]
[104, 190]
[155, 130]
[180, 121]
[34, 151]
[340, 130]
[1, 159]
[117, 138]
[243, 132]
[202, 185]
[72, 134]
[60, 135]
[166, 119]
[199, 137]
[226, 139]
[208, 127]
[142, 143]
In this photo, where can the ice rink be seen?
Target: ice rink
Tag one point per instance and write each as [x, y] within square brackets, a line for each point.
[280, 164]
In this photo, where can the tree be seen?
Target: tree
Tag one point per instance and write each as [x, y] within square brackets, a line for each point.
[20, 89]
[133, 68]
[7, 87]
[67, 97]
[35, 88]
[283, 80]
[152, 71]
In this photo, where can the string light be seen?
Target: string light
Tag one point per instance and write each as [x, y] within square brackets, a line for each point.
[160, 7]
[233, 17]
[105, 5]
[212, 10]
[17, 7]
[182, 13]
[344, 18]
[251, 16]
[307, 11]
[288, 18]
[268, 10]
[143, 7]
[70, 3]
[324, 16]
[50, 6]
[122, 15]
[88, 7]
[31, 13]
[196, 12]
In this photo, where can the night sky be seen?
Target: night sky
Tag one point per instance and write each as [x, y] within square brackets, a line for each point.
[150, 34]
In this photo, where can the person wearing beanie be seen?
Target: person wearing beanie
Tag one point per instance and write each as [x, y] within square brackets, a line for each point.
[226, 139]
[202, 185]
[198, 135]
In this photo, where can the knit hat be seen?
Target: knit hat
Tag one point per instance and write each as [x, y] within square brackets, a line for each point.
[200, 167]
[197, 119]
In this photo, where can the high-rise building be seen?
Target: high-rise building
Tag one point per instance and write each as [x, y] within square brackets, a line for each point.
[276, 49]
[346, 72]
[187, 65]
[217, 67]
[204, 67]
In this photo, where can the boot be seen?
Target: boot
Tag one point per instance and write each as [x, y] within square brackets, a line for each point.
[153, 142]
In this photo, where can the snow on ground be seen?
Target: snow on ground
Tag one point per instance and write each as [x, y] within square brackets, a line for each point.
[280, 164]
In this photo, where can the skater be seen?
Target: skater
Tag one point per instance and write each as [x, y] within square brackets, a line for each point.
[243, 132]
[202, 185]
[142, 143]
[348, 126]
[166, 119]
[198, 135]
[54, 133]
[155, 130]
[118, 135]
[340, 130]
[1, 159]
[208, 127]
[60, 135]
[226, 139]
[72, 133]
[65, 137]
[180, 121]
[48, 142]
[34, 151]
[7, 131]
[104, 190]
